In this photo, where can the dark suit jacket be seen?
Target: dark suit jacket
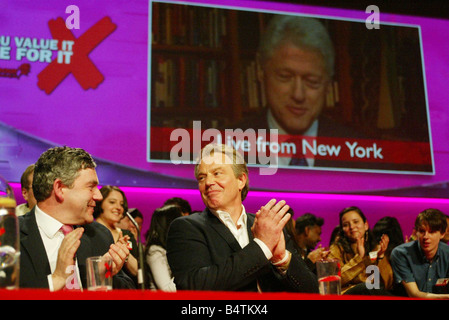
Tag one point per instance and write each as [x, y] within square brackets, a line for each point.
[204, 255]
[34, 265]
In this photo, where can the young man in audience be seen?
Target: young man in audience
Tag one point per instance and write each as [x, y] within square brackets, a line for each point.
[51, 256]
[226, 248]
[27, 191]
[446, 235]
[422, 266]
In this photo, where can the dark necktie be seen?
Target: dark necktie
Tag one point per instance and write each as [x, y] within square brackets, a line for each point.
[298, 162]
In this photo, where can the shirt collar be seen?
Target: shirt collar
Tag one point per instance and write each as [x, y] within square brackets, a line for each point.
[49, 225]
[225, 217]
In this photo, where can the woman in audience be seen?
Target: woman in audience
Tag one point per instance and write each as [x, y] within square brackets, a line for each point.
[109, 212]
[158, 270]
[357, 249]
[390, 227]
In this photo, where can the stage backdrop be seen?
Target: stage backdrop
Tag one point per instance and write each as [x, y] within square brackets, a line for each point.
[93, 85]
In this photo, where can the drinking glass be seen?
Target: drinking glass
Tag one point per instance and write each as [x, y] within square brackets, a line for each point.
[329, 276]
[99, 273]
[9, 238]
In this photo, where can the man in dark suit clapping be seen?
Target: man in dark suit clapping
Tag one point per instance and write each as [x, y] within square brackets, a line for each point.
[226, 248]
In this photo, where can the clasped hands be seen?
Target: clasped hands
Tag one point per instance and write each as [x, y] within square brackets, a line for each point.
[381, 248]
[67, 253]
[268, 225]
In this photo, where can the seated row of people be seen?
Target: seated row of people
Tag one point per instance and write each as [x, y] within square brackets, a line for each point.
[416, 266]
[222, 247]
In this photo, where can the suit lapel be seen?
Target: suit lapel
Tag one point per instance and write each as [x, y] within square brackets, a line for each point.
[222, 230]
[31, 241]
[249, 224]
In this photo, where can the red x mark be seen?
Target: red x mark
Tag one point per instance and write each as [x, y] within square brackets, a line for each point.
[108, 270]
[82, 68]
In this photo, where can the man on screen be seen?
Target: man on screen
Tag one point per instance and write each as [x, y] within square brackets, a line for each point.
[296, 59]
[225, 248]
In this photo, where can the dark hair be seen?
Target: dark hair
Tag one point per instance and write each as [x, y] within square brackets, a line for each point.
[345, 243]
[160, 222]
[434, 218]
[157, 235]
[62, 163]
[335, 233]
[291, 230]
[183, 204]
[307, 220]
[134, 212]
[24, 181]
[391, 227]
[105, 191]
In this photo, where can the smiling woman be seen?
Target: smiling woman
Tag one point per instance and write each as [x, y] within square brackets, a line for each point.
[357, 250]
[109, 212]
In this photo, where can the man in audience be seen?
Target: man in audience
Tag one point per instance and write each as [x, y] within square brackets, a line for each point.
[126, 224]
[226, 248]
[51, 256]
[308, 234]
[182, 203]
[27, 191]
[446, 235]
[422, 266]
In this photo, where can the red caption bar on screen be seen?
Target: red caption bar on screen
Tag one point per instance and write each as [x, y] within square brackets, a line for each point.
[323, 148]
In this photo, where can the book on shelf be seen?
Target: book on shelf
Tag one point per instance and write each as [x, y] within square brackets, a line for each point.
[188, 82]
[179, 24]
[251, 88]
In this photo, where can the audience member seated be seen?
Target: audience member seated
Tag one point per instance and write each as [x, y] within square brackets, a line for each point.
[182, 203]
[356, 249]
[308, 234]
[446, 235]
[291, 230]
[389, 227]
[138, 217]
[159, 275]
[334, 235]
[126, 224]
[226, 248]
[108, 212]
[422, 266]
[26, 184]
[65, 187]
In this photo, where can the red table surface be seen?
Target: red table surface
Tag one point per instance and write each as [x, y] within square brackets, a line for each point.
[43, 294]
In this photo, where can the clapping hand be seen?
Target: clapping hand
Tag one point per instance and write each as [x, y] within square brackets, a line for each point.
[268, 226]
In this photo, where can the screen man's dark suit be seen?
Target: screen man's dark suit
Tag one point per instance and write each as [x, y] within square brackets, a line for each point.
[204, 255]
[34, 265]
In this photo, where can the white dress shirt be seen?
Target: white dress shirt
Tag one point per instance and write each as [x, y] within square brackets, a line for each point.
[240, 230]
